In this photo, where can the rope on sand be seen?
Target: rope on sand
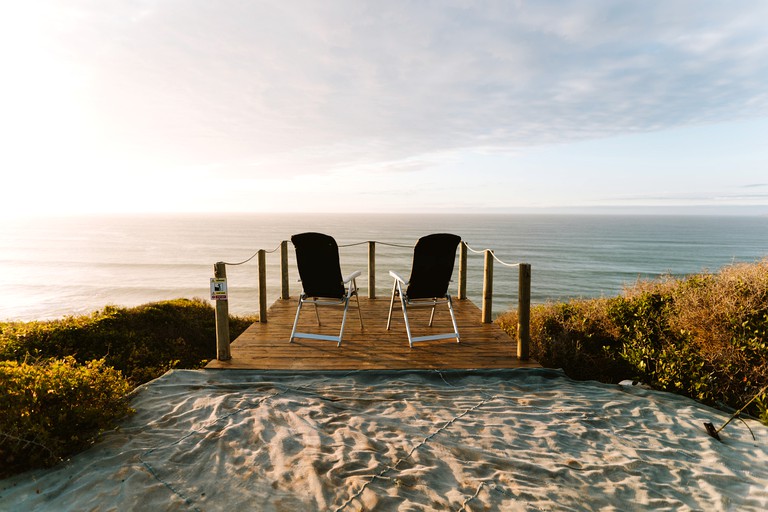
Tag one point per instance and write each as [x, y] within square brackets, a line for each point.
[383, 473]
[205, 429]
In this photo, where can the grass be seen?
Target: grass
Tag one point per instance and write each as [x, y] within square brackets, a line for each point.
[62, 382]
[704, 336]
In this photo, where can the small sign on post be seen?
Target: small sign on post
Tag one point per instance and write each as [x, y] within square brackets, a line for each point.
[219, 294]
[218, 288]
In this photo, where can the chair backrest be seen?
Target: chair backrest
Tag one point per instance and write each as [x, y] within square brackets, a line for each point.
[317, 256]
[433, 260]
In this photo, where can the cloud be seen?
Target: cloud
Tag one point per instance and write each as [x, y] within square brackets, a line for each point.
[254, 88]
[681, 198]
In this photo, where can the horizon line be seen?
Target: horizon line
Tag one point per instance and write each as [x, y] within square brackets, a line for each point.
[688, 210]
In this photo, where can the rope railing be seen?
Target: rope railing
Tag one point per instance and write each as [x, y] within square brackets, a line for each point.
[353, 244]
[482, 251]
[219, 288]
[254, 255]
[378, 242]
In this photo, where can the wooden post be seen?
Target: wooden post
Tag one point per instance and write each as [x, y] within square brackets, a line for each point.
[462, 271]
[371, 270]
[488, 287]
[524, 312]
[222, 318]
[285, 291]
[262, 286]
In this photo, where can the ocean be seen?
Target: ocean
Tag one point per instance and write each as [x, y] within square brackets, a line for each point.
[62, 266]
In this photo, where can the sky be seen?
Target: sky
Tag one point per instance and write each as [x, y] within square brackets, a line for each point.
[147, 106]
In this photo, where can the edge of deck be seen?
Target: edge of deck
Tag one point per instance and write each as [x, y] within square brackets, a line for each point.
[265, 346]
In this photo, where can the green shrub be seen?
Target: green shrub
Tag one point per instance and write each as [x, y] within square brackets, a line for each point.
[576, 336]
[660, 356]
[727, 317]
[143, 342]
[55, 408]
[704, 336]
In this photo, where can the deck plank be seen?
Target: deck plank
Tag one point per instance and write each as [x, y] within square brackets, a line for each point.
[265, 346]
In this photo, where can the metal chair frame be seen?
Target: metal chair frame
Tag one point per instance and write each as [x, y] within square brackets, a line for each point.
[397, 289]
[430, 274]
[322, 301]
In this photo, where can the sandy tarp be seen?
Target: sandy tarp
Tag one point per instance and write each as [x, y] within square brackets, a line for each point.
[485, 440]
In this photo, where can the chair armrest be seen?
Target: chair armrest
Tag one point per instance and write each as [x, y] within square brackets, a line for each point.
[397, 277]
[352, 276]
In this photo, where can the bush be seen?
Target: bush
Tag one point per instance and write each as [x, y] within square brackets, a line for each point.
[142, 342]
[55, 408]
[704, 336]
[576, 336]
[659, 355]
[84, 366]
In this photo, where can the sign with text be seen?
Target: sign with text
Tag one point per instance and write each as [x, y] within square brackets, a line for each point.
[218, 288]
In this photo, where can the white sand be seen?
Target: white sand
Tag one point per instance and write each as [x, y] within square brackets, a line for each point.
[492, 440]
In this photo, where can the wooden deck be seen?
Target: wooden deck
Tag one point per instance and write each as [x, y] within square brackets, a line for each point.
[265, 346]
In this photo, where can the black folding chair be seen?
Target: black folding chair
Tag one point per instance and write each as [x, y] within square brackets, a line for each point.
[433, 260]
[317, 256]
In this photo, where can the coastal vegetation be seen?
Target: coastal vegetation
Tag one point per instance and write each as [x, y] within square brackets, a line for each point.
[704, 336]
[62, 382]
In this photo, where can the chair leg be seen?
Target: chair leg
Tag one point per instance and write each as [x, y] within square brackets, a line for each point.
[391, 305]
[343, 320]
[359, 312]
[317, 313]
[453, 317]
[296, 321]
[432, 315]
[407, 323]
